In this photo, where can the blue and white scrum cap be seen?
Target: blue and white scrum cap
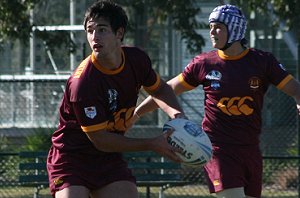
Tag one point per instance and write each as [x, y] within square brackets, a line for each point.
[233, 18]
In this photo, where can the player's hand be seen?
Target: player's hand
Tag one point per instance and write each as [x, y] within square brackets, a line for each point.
[162, 147]
[181, 115]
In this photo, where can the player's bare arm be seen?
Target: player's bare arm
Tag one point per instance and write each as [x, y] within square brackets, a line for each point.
[165, 98]
[149, 104]
[111, 142]
[292, 88]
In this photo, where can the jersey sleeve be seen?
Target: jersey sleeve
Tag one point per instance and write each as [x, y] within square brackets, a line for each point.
[149, 79]
[156, 80]
[88, 107]
[276, 72]
[90, 115]
[191, 76]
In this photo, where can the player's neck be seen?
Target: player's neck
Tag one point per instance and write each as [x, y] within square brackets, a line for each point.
[112, 61]
[234, 50]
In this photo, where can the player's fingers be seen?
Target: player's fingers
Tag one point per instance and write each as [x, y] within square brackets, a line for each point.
[168, 132]
[173, 156]
[175, 149]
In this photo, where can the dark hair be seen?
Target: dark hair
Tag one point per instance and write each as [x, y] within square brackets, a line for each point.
[110, 11]
[244, 42]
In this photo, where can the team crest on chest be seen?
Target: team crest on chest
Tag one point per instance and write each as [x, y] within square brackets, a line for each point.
[254, 83]
[90, 112]
[214, 77]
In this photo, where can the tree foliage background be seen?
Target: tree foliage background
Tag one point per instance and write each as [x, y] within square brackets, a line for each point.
[15, 18]
[283, 13]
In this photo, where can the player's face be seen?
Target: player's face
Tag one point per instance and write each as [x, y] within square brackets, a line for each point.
[218, 35]
[103, 41]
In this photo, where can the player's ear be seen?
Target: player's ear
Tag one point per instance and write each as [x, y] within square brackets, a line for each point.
[120, 33]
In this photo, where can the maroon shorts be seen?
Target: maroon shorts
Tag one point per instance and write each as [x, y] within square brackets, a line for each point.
[233, 167]
[91, 171]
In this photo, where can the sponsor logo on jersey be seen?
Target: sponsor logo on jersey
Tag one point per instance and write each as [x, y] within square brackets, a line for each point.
[121, 120]
[90, 112]
[215, 85]
[282, 67]
[112, 100]
[235, 105]
[214, 77]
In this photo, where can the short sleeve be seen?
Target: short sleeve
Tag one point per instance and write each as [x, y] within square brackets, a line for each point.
[142, 67]
[91, 114]
[276, 72]
[191, 76]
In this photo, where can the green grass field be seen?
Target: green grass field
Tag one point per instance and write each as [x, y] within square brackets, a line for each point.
[175, 192]
[192, 191]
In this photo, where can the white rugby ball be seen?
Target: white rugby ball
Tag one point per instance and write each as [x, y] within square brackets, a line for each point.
[191, 140]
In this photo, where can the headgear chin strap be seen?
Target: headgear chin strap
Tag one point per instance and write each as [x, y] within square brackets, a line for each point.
[234, 19]
[227, 45]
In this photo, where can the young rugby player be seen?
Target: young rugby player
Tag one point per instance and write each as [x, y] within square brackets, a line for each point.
[235, 79]
[85, 159]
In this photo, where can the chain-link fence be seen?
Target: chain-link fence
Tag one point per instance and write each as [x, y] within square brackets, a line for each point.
[280, 180]
[29, 114]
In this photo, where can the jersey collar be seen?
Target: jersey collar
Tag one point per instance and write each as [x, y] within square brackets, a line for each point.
[109, 71]
[226, 57]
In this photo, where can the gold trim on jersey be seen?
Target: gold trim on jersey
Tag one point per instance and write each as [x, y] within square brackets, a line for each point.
[119, 123]
[96, 127]
[185, 84]
[153, 87]
[284, 81]
[226, 57]
[109, 71]
[81, 67]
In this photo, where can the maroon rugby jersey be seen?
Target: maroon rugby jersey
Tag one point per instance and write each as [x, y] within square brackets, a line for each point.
[234, 88]
[97, 98]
